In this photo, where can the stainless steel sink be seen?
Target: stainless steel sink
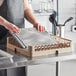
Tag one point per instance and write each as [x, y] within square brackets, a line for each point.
[5, 57]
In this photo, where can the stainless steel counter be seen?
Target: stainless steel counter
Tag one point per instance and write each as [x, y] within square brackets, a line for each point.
[19, 61]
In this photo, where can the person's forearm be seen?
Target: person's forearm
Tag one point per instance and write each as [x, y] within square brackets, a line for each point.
[9, 26]
[28, 13]
[29, 16]
[3, 21]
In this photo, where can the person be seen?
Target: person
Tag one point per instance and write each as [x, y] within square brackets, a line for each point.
[12, 13]
[12, 23]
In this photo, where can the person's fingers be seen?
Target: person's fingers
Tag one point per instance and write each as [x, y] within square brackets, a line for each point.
[43, 29]
[16, 29]
[40, 28]
[12, 28]
[11, 31]
[37, 27]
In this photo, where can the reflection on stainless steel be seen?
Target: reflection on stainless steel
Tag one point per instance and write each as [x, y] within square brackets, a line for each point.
[31, 37]
[23, 61]
[5, 57]
[5, 54]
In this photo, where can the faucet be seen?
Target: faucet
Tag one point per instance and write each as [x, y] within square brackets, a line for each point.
[53, 21]
[55, 25]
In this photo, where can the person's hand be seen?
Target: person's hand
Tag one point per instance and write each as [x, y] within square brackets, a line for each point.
[12, 28]
[39, 27]
[9, 26]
